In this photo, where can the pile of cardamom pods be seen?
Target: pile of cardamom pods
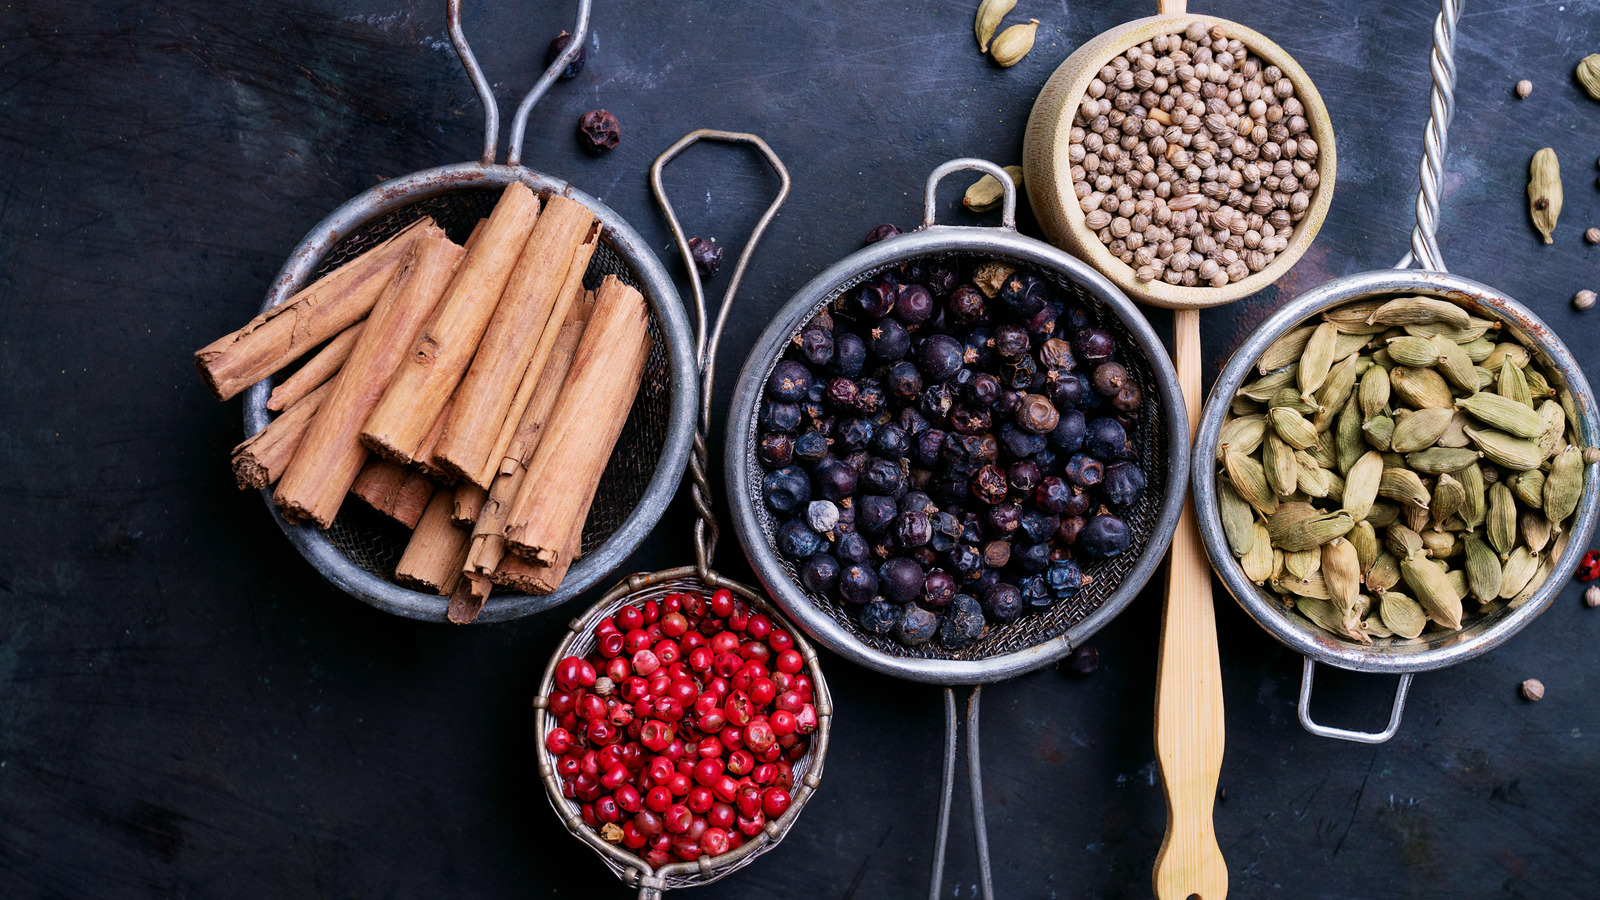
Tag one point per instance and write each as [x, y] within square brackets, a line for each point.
[1393, 459]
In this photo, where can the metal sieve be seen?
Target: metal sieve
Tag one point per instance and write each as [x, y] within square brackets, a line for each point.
[1487, 631]
[1031, 642]
[358, 554]
[699, 577]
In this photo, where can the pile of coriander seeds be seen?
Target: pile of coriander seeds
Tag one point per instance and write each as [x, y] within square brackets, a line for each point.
[1192, 161]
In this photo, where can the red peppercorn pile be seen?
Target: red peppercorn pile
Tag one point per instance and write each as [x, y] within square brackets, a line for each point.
[678, 733]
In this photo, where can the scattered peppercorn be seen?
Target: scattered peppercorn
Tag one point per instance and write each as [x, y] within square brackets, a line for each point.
[1533, 690]
[598, 131]
[707, 256]
[1524, 88]
[1082, 661]
[556, 47]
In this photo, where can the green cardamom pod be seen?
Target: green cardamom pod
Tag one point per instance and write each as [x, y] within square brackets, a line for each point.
[1413, 351]
[1289, 398]
[1257, 562]
[1528, 487]
[1353, 314]
[1439, 460]
[1277, 458]
[990, 12]
[1285, 351]
[1293, 427]
[1454, 364]
[1589, 74]
[1302, 564]
[1421, 388]
[1341, 570]
[1563, 487]
[1383, 514]
[1455, 435]
[1348, 440]
[1458, 581]
[1250, 481]
[1419, 429]
[1310, 532]
[1438, 544]
[1373, 395]
[1361, 485]
[1538, 386]
[1474, 329]
[1504, 352]
[1316, 360]
[1473, 508]
[1243, 434]
[1365, 539]
[1379, 430]
[1384, 574]
[1433, 590]
[1403, 485]
[1448, 499]
[1014, 43]
[1511, 384]
[1505, 450]
[1244, 406]
[1267, 386]
[987, 192]
[1327, 616]
[1483, 570]
[1553, 434]
[1401, 614]
[1375, 627]
[1314, 480]
[1519, 568]
[1544, 190]
[1500, 523]
[1334, 395]
[1402, 541]
[1313, 587]
[1420, 311]
[1238, 519]
[1478, 349]
[1511, 416]
[1536, 530]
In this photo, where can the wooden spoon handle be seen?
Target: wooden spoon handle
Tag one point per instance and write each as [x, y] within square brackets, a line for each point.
[1171, 7]
[1189, 728]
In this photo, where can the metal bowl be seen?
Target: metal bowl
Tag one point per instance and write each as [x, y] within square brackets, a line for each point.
[1032, 641]
[1485, 632]
[358, 553]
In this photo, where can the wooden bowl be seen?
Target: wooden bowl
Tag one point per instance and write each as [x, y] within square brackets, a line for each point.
[1047, 173]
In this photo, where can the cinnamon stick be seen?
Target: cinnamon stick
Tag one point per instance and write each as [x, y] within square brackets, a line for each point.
[532, 578]
[469, 501]
[330, 457]
[433, 557]
[317, 370]
[488, 534]
[588, 418]
[464, 607]
[537, 294]
[439, 356]
[261, 459]
[321, 310]
[423, 458]
[394, 490]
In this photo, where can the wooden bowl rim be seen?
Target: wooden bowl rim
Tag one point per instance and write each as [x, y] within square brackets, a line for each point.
[1060, 207]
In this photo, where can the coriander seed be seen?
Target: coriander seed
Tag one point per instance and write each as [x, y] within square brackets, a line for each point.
[1592, 596]
[1524, 88]
[1583, 299]
[1592, 236]
[1533, 689]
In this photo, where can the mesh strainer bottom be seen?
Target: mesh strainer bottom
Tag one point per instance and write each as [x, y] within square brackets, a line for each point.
[375, 543]
[1149, 433]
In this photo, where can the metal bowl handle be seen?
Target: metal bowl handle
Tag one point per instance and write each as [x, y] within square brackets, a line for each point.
[705, 526]
[1008, 206]
[491, 108]
[1344, 734]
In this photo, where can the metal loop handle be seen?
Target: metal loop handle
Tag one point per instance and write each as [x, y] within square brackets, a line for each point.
[1435, 141]
[705, 526]
[491, 108]
[1008, 205]
[980, 825]
[1343, 734]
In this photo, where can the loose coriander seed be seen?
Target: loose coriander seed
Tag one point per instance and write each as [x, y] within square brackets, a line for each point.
[1592, 596]
[1583, 299]
[1533, 689]
[1524, 88]
[1592, 236]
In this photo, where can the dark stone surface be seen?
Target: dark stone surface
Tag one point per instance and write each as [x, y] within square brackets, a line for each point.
[186, 710]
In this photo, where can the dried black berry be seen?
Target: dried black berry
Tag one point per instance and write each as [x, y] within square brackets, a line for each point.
[912, 529]
[598, 131]
[1128, 399]
[787, 490]
[913, 305]
[789, 381]
[1057, 354]
[1068, 532]
[889, 340]
[819, 573]
[1052, 495]
[1069, 432]
[1020, 444]
[963, 623]
[1084, 470]
[871, 398]
[940, 279]
[875, 300]
[1124, 483]
[575, 65]
[1104, 536]
[879, 617]
[989, 485]
[882, 232]
[938, 589]
[883, 476]
[797, 542]
[1064, 578]
[940, 356]
[1109, 378]
[1003, 519]
[1030, 558]
[853, 434]
[857, 583]
[1003, 602]
[1022, 294]
[1083, 661]
[810, 448]
[1023, 476]
[707, 256]
[816, 345]
[775, 450]
[1036, 596]
[916, 626]
[976, 349]
[1093, 345]
[852, 548]
[1036, 414]
[936, 401]
[928, 446]
[946, 529]
[983, 389]
[904, 380]
[1010, 342]
[892, 441]
[916, 501]
[1107, 439]
[966, 561]
[835, 479]
[913, 421]
[849, 355]
[778, 416]
[875, 513]
[1039, 527]
[900, 580]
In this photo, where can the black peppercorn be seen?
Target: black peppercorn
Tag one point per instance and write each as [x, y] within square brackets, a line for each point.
[598, 131]
[575, 65]
[707, 256]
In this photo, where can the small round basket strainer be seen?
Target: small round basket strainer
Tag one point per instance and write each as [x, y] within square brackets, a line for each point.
[1034, 641]
[358, 553]
[701, 578]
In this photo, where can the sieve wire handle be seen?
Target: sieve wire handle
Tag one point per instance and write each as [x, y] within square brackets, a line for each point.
[1343, 734]
[491, 108]
[1435, 141]
[705, 345]
[980, 825]
[1008, 204]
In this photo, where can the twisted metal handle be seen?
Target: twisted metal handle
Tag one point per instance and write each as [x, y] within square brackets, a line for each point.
[1435, 140]
[491, 107]
[705, 526]
[980, 826]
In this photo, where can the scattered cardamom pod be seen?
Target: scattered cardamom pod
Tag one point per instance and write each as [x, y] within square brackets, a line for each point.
[990, 12]
[1014, 43]
[1589, 74]
[987, 193]
[1544, 176]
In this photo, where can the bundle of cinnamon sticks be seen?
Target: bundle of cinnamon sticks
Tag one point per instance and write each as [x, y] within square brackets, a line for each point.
[472, 393]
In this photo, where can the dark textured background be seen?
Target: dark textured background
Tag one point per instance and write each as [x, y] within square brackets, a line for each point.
[186, 710]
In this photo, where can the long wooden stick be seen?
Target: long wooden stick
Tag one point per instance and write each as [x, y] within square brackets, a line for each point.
[324, 308]
[262, 458]
[317, 370]
[433, 557]
[536, 296]
[331, 456]
[441, 353]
